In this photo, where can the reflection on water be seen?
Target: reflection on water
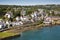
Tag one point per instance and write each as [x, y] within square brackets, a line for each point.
[46, 33]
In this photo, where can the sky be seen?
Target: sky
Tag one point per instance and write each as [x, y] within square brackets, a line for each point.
[28, 2]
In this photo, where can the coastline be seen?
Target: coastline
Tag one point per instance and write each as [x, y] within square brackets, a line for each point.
[19, 31]
[8, 38]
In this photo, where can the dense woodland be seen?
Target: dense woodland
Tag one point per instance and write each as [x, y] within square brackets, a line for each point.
[29, 9]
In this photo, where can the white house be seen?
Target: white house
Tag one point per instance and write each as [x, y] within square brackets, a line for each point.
[19, 23]
[17, 18]
[24, 18]
[9, 14]
[2, 24]
[8, 23]
[35, 13]
[56, 12]
[21, 18]
[47, 20]
[32, 20]
[32, 15]
[23, 12]
[36, 16]
[42, 13]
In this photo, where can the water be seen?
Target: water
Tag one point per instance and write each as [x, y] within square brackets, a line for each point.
[46, 33]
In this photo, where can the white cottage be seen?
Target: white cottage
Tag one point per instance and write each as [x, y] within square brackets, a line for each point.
[18, 23]
[23, 12]
[9, 14]
[8, 23]
[24, 18]
[47, 20]
[17, 18]
[2, 24]
[35, 16]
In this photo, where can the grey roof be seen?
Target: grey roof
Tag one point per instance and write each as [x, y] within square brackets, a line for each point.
[1, 23]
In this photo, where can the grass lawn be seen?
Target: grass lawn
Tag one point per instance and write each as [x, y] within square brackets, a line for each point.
[6, 34]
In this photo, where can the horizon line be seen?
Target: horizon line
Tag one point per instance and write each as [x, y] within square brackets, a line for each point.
[29, 5]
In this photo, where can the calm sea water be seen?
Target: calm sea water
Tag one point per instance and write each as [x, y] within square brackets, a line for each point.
[46, 33]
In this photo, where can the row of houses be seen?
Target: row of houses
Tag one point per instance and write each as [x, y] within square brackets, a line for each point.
[21, 20]
[55, 12]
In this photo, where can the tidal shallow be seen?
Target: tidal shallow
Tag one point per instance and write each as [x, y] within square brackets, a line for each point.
[46, 33]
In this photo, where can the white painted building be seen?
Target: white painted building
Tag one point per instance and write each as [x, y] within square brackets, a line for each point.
[23, 12]
[19, 23]
[17, 18]
[2, 24]
[24, 18]
[9, 14]
[47, 20]
[32, 15]
[56, 12]
[8, 23]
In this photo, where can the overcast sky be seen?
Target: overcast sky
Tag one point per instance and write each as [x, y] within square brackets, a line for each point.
[29, 2]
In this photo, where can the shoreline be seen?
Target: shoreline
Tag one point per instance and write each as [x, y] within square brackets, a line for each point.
[8, 38]
[27, 29]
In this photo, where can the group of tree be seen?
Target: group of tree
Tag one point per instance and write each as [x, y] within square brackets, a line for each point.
[29, 9]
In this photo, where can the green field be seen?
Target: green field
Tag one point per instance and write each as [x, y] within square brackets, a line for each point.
[6, 34]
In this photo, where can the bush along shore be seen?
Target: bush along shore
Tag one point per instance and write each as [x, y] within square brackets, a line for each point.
[16, 31]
